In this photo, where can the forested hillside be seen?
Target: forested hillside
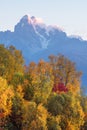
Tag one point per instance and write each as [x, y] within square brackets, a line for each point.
[42, 96]
[37, 41]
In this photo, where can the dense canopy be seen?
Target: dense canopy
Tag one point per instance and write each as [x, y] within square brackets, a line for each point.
[42, 96]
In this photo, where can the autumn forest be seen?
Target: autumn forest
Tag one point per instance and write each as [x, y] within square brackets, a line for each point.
[40, 96]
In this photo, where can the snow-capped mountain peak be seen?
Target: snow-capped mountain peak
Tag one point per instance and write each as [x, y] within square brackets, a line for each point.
[36, 20]
[31, 19]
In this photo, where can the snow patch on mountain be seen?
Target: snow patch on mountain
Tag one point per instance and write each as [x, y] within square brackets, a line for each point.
[35, 23]
[32, 20]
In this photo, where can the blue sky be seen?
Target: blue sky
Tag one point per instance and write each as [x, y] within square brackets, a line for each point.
[70, 15]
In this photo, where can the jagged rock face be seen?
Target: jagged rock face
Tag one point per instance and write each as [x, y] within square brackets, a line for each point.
[37, 40]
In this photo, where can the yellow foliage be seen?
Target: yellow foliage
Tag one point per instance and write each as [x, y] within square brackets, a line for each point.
[6, 95]
[74, 88]
[34, 117]
[70, 126]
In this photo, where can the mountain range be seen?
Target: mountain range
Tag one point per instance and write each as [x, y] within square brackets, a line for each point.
[37, 41]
